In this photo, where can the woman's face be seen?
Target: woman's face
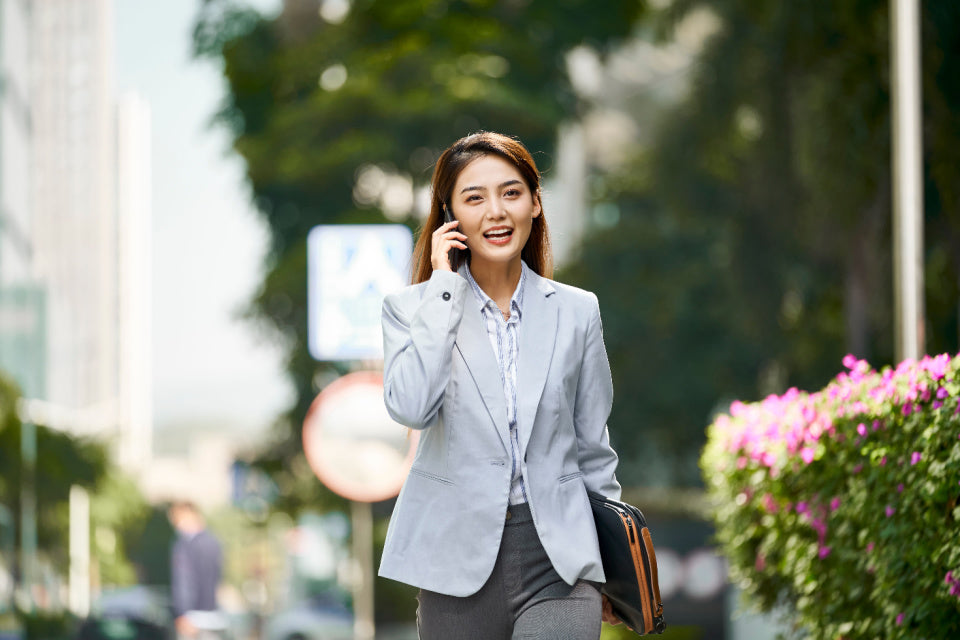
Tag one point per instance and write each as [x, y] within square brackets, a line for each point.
[495, 208]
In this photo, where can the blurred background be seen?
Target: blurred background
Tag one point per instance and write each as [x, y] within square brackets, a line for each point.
[717, 171]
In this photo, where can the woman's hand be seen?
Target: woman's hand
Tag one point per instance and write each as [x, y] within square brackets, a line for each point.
[607, 614]
[445, 238]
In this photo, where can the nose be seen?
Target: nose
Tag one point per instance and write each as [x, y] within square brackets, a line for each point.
[496, 209]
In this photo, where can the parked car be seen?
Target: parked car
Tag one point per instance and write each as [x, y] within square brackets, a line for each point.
[134, 613]
[320, 617]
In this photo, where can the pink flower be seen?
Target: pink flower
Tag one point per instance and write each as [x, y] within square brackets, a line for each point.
[936, 404]
[937, 366]
[883, 461]
[857, 469]
[819, 525]
[862, 429]
[900, 488]
[802, 508]
[823, 552]
[769, 503]
[899, 619]
[850, 361]
[807, 454]
[942, 393]
[890, 511]
[907, 409]
[915, 457]
[869, 547]
[835, 504]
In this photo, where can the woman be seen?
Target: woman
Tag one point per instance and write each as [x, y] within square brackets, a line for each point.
[505, 373]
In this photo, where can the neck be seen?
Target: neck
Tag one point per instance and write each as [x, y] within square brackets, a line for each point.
[191, 527]
[498, 280]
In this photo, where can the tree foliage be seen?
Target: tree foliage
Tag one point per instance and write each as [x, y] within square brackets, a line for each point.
[754, 243]
[62, 461]
[116, 508]
[310, 103]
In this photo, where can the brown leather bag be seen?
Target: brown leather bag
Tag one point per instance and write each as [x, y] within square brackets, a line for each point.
[629, 563]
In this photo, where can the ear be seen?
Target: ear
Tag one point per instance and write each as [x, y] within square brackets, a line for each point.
[538, 209]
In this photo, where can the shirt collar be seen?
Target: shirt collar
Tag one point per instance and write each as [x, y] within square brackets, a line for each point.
[516, 300]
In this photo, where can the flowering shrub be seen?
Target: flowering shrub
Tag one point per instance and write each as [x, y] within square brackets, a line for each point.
[842, 505]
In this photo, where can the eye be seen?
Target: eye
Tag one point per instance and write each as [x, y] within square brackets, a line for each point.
[512, 193]
[473, 198]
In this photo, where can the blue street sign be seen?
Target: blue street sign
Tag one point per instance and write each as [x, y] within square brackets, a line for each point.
[350, 268]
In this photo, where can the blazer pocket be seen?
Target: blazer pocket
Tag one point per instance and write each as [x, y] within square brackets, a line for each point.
[570, 476]
[430, 476]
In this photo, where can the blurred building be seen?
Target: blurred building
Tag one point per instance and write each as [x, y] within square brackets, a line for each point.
[74, 199]
[15, 134]
[75, 282]
[22, 299]
[194, 461]
[135, 356]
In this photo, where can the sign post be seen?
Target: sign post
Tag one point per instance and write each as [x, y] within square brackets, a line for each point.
[351, 443]
[360, 453]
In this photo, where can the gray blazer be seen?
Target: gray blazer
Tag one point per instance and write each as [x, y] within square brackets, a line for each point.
[441, 376]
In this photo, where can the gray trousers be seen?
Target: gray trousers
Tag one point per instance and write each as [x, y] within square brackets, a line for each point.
[523, 598]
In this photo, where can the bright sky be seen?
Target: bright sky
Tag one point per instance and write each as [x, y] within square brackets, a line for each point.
[207, 240]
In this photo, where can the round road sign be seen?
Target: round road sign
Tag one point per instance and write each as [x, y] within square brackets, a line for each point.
[352, 444]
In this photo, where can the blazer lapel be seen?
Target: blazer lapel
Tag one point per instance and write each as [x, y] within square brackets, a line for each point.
[538, 333]
[474, 346]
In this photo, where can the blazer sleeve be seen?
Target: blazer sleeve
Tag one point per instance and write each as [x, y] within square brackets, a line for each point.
[418, 337]
[594, 400]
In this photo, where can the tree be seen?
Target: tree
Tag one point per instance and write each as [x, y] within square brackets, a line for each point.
[116, 508]
[62, 461]
[755, 231]
[313, 104]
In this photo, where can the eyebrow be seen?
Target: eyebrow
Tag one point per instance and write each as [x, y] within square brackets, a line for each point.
[499, 186]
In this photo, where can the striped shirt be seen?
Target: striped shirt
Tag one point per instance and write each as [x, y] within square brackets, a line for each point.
[504, 337]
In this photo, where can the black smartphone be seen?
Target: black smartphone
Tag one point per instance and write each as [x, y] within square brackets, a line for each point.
[454, 253]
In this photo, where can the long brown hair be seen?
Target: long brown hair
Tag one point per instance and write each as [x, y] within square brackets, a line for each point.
[537, 252]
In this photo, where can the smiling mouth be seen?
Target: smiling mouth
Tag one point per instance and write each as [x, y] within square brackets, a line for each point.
[498, 234]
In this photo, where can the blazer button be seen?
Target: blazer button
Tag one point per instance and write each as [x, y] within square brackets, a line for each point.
[446, 295]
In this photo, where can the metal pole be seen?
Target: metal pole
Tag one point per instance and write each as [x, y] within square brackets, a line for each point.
[8, 536]
[362, 523]
[28, 511]
[907, 178]
[79, 551]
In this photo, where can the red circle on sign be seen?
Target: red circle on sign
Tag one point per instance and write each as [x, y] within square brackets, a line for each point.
[352, 444]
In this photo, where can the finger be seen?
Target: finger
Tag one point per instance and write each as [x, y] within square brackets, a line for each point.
[445, 244]
[446, 226]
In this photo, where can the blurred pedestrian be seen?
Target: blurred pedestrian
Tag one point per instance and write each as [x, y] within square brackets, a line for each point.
[196, 568]
[505, 373]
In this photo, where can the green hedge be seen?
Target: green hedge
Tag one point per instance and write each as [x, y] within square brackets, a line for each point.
[841, 506]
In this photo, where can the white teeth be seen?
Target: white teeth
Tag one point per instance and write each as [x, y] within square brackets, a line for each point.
[498, 234]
